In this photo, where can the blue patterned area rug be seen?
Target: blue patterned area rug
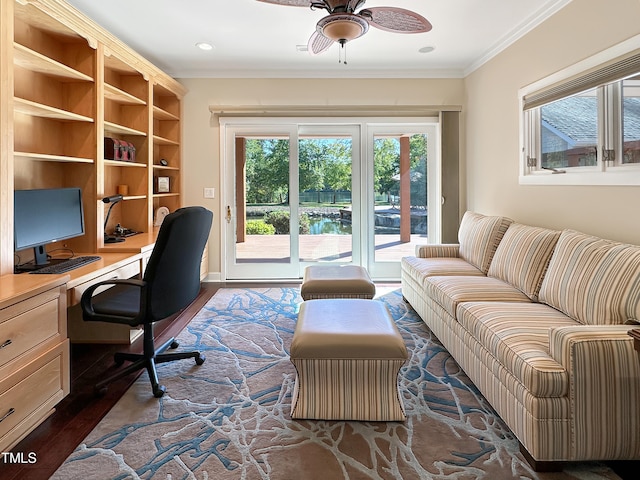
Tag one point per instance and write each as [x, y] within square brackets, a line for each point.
[230, 417]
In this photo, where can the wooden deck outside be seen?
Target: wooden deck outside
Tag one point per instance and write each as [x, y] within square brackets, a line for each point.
[325, 248]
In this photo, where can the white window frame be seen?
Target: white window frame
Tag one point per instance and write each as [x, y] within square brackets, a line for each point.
[609, 122]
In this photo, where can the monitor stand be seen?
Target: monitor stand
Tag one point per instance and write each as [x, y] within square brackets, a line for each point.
[40, 259]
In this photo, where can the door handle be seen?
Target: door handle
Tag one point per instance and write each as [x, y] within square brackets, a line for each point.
[228, 214]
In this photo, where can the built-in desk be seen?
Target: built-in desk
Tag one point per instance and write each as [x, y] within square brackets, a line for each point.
[139, 243]
[118, 261]
[39, 315]
[143, 244]
[111, 266]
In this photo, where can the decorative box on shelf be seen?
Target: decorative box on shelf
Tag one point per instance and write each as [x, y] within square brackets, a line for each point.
[115, 149]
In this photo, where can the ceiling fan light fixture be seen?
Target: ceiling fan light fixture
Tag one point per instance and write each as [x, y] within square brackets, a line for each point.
[342, 27]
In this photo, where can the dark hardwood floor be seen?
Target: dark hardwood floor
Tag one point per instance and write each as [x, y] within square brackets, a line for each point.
[55, 439]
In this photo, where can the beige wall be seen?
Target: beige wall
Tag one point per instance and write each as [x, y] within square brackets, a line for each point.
[201, 133]
[581, 29]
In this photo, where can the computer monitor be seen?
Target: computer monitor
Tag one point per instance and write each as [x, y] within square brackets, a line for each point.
[45, 216]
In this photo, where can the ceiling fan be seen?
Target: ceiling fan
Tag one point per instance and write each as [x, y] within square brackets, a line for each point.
[344, 24]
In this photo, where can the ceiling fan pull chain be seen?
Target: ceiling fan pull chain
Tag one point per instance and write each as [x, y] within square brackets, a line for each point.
[342, 51]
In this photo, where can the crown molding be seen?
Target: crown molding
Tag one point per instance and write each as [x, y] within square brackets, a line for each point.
[544, 13]
[296, 73]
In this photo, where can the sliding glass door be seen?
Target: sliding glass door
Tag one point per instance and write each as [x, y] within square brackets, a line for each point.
[403, 194]
[317, 192]
[328, 194]
[260, 221]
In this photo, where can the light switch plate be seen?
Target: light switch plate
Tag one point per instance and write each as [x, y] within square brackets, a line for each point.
[209, 192]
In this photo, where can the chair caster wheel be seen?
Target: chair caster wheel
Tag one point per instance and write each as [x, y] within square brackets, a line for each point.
[159, 391]
[100, 391]
[174, 344]
[200, 359]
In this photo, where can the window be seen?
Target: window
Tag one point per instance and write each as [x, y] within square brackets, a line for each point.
[631, 120]
[581, 126]
[569, 132]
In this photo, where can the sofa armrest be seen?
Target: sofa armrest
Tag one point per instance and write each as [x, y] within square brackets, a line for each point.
[604, 388]
[438, 250]
[566, 342]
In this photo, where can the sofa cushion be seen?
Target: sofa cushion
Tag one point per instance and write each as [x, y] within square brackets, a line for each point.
[517, 334]
[479, 236]
[449, 291]
[593, 280]
[419, 268]
[522, 257]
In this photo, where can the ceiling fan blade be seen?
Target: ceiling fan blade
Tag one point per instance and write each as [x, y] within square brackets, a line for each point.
[291, 3]
[397, 20]
[318, 43]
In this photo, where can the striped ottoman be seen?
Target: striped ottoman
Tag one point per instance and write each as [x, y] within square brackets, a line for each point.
[347, 354]
[336, 281]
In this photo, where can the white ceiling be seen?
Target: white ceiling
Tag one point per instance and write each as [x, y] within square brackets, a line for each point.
[256, 39]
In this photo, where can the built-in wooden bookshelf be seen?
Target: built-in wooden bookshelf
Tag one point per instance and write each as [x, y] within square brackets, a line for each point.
[73, 84]
[66, 84]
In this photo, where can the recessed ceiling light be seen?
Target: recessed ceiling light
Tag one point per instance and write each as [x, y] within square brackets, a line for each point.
[204, 46]
[427, 49]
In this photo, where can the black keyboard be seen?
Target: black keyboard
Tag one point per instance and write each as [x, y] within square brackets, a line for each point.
[66, 265]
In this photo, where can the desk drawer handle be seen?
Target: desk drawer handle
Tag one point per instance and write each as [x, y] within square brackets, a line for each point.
[6, 344]
[4, 417]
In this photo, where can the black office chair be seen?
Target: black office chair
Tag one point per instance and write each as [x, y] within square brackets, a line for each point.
[170, 283]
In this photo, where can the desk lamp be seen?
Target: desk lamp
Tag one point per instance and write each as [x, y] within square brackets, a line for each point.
[113, 199]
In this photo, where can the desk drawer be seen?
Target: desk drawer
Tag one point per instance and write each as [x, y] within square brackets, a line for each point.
[28, 396]
[126, 271]
[27, 324]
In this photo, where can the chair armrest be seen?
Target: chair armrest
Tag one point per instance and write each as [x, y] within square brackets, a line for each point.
[604, 387]
[87, 304]
[438, 250]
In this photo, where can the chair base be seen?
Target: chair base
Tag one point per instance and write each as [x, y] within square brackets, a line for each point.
[148, 362]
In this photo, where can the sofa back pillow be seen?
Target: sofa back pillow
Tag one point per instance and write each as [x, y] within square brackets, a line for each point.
[592, 280]
[523, 256]
[479, 236]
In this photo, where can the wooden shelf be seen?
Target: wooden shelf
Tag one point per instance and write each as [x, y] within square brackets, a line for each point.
[45, 111]
[160, 167]
[120, 96]
[161, 114]
[162, 195]
[114, 63]
[158, 140]
[36, 62]
[44, 157]
[119, 163]
[122, 130]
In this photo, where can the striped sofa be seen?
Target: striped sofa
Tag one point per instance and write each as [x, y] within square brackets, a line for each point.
[538, 320]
